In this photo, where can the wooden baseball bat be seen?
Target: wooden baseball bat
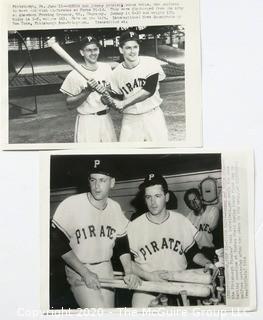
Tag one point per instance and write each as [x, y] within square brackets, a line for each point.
[192, 289]
[191, 275]
[53, 44]
[185, 300]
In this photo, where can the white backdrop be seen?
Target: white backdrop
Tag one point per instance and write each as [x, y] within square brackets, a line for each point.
[232, 53]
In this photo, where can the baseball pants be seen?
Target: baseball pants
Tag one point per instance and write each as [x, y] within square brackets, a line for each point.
[91, 298]
[94, 128]
[149, 126]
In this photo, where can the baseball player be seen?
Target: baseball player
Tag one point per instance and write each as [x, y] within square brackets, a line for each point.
[161, 240]
[204, 218]
[136, 81]
[89, 225]
[93, 123]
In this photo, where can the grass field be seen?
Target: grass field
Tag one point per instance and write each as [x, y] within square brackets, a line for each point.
[54, 123]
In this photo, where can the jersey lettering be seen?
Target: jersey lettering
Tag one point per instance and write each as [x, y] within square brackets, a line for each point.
[204, 227]
[164, 244]
[130, 86]
[90, 231]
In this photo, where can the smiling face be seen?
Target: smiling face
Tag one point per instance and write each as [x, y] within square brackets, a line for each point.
[100, 185]
[130, 51]
[90, 53]
[156, 199]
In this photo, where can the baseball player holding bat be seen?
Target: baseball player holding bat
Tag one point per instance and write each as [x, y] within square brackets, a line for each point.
[167, 242]
[204, 218]
[136, 81]
[93, 123]
[89, 225]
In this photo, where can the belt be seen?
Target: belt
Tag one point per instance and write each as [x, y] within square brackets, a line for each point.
[99, 113]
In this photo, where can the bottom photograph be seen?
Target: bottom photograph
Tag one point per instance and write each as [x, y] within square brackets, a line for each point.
[135, 230]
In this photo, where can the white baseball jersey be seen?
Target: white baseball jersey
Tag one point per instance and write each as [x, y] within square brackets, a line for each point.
[161, 246]
[205, 223]
[75, 83]
[129, 81]
[91, 232]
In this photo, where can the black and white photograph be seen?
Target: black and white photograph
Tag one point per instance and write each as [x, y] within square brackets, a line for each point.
[135, 230]
[97, 85]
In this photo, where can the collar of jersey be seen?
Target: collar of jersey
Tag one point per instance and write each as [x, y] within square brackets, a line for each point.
[95, 206]
[89, 69]
[132, 67]
[147, 216]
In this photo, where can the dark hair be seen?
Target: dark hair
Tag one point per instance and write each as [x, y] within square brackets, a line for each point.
[152, 180]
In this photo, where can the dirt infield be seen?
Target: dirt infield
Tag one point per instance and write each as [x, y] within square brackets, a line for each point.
[54, 123]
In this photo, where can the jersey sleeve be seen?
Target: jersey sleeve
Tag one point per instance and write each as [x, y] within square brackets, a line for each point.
[157, 68]
[190, 235]
[131, 237]
[62, 218]
[71, 85]
[213, 218]
[122, 223]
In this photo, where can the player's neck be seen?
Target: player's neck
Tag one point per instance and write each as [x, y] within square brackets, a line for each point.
[160, 218]
[98, 204]
[131, 64]
[91, 66]
[199, 212]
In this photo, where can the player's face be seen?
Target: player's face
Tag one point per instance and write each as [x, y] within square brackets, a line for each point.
[100, 185]
[90, 53]
[194, 202]
[130, 51]
[156, 199]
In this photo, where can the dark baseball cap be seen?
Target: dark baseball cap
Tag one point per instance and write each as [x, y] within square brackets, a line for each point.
[152, 179]
[128, 36]
[88, 40]
[101, 166]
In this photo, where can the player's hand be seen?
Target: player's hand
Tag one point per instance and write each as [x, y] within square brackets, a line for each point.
[209, 267]
[119, 105]
[132, 281]
[96, 86]
[157, 275]
[91, 280]
[108, 100]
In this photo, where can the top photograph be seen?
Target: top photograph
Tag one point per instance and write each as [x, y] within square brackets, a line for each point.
[121, 86]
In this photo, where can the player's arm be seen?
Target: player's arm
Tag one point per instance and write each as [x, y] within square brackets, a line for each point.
[147, 91]
[123, 248]
[214, 218]
[90, 278]
[158, 275]
[72, 260]
[194, 254]
[74, 102]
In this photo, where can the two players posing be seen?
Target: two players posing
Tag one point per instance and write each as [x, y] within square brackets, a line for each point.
[90, 224]
[134, 89]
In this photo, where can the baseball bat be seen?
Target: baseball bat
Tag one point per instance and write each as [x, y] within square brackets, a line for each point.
[185, 300]
[192, 289]
[191, 276]
[53, 44]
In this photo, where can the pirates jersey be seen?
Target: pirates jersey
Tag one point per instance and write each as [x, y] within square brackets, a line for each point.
[91, 232]
[205, 223]
[75, 83]
[130, 81]
[161, 246]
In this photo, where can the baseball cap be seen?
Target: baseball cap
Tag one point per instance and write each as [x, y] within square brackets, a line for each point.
[101, 166]
[127, 36]
[88, 40]
[152, 179]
